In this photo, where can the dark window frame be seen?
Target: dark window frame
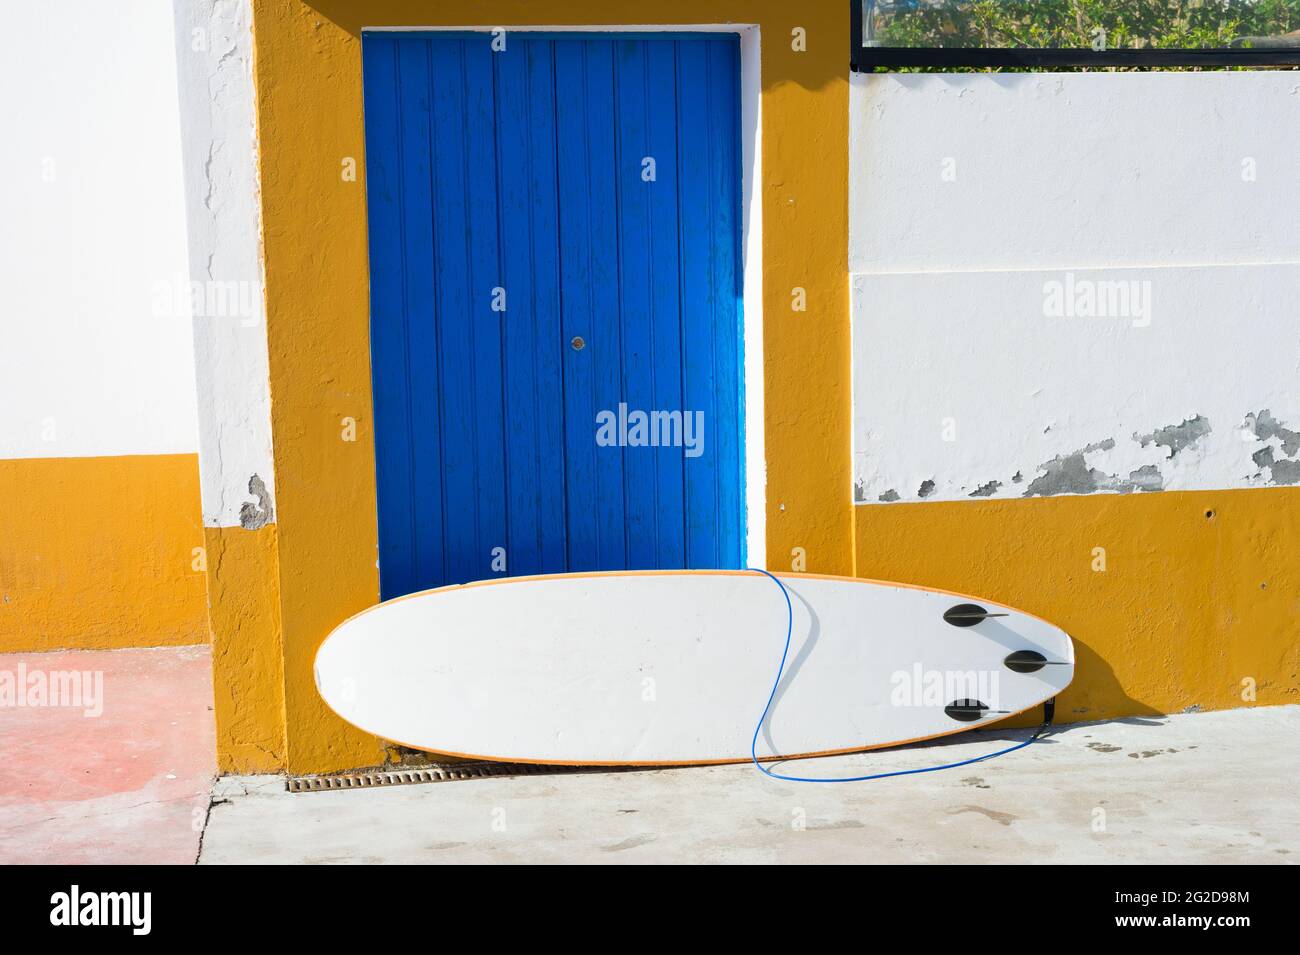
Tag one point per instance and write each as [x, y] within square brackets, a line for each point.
[870, 59]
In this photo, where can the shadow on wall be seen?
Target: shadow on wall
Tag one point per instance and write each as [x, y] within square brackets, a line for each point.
[1097, 693]
[824, 25]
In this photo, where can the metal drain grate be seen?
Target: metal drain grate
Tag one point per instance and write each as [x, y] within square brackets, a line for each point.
[447, 773]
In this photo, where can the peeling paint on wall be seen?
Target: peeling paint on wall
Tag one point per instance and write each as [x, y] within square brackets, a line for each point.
[1281, 440]
[963, 390]
[1266, 427]
[1175, 437]
[1106, 466]
[1285, 472]
[256, 515]
[1071, 474]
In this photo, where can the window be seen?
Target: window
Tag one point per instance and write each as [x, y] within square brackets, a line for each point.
[1074, 34]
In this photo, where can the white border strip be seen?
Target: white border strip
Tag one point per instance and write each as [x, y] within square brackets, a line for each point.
[214, 51]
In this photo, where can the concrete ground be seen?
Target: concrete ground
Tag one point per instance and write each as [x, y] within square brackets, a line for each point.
[132, 782]
[1197, 788]
[124, 775]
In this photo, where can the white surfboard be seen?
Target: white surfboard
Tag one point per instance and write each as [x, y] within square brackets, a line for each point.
[670, 667]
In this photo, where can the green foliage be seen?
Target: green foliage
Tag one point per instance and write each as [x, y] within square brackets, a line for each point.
[1079, 24]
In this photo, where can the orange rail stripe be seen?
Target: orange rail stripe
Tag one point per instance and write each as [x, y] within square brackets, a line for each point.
[692, 762]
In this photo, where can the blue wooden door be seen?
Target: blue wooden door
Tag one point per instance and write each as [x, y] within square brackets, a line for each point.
[555, 318]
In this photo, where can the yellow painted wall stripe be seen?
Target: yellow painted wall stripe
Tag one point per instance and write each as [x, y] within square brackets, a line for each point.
[99, 553]
[247, 651]
[1198, 601]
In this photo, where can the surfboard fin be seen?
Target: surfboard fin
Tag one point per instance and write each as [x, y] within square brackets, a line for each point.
[967, 615]
[1030, 661]
[968, 711]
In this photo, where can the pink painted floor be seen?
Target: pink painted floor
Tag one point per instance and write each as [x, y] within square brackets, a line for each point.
[129, 785]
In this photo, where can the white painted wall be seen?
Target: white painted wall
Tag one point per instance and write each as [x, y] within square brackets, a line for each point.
[93, 360]
[214, 55]
[981, 202]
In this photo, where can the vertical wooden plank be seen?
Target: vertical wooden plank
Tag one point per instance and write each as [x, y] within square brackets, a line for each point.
[454, 299]
[390, 384]
[551, 345]
[665, 306]
[479, 132]
[589, 288]
[421, 359]
[605, 348]
[635, 270]
[698, 245]
[531, 334]
[574, 240]
[519, 332]
[726, 433]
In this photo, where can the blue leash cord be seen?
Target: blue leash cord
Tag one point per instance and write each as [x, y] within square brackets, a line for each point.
[753, 746]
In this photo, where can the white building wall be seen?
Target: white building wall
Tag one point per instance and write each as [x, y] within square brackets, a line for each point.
[95, 353]
[214, 51]
[1074, 283]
